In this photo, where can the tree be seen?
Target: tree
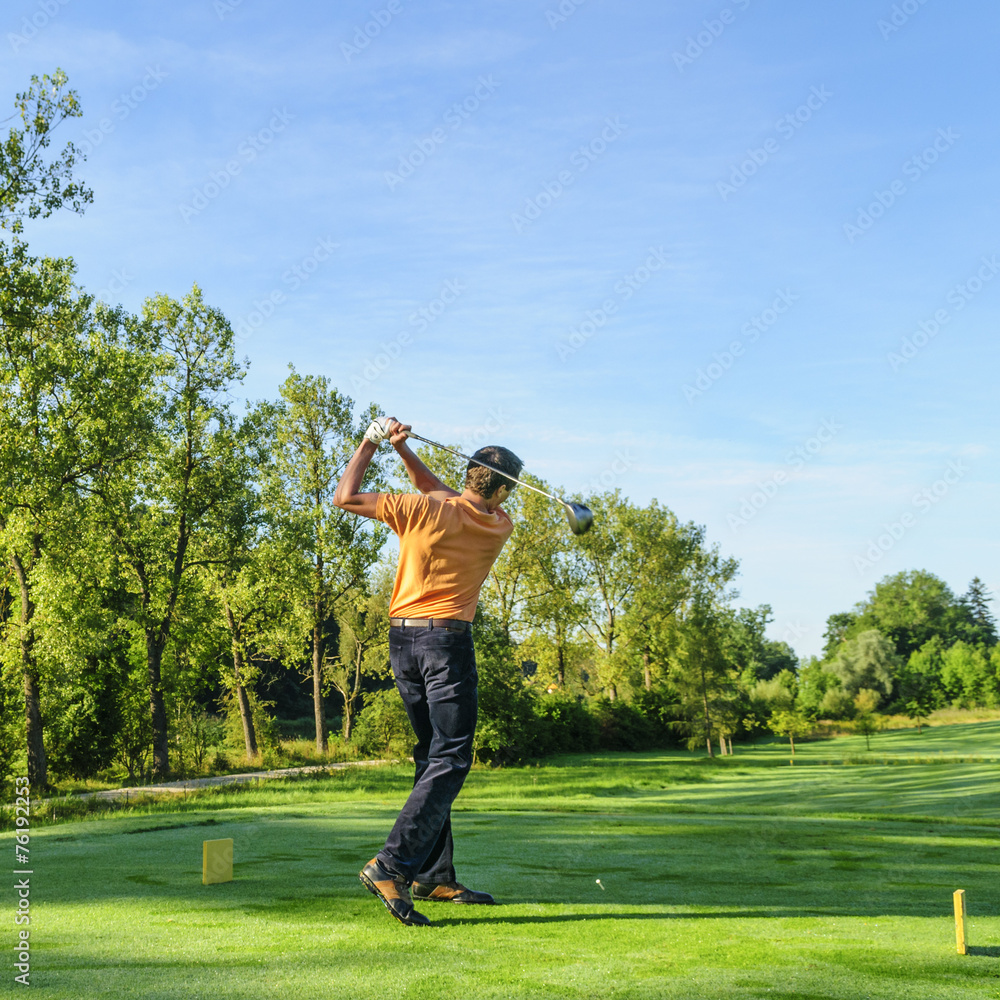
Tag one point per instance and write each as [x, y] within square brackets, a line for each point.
[966, 675]
[776, 658]
[641, 565]
[82, 646]
[918, 681]
[814, 682]
[33, 294]
[71, 376]
[866, 661]
[704, 676]
[506, 717]
[982, 628]
[549, 569]
[29, 185]
[248, 568]
[159, 509]
[838, 627]
[790, 723]
[866, 720]
[363, 617]
[315, 437]
[918, 709]
[911, 607]
[509, 584]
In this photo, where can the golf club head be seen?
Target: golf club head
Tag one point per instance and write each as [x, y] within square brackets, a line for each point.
[580, 518]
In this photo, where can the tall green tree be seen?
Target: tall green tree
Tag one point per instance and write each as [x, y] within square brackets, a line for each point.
[838, 628]
[967, 675]
[556, 583]
[911, 607]
[918, 681]
[34, 183]
[248, 569]
[642, 566]
[790, 723]
[868, 661]
[71, 373]
[36, 299]
[315, 437]
[702, 672]
[982, 628]
[158, 510]
[363, 620]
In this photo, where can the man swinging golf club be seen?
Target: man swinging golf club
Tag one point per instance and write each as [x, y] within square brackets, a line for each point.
[448, 541]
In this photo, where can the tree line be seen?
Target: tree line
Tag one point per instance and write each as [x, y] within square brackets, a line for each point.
[169, 560]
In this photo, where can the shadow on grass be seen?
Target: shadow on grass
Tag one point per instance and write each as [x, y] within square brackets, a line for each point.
[990, 951]
[296, 866]
[495, 915]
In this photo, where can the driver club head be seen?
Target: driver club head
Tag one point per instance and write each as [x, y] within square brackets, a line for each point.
[580, 517]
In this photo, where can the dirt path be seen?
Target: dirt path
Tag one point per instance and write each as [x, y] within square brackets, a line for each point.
[221, 779]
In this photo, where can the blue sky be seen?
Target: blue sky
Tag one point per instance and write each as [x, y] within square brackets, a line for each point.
[741, 257]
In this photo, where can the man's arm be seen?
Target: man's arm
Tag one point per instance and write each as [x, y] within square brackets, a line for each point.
[347, 496]
[419, 474]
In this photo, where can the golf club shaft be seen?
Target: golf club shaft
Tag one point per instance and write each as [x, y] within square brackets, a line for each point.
[485, 465]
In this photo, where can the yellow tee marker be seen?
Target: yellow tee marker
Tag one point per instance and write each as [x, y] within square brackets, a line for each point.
[216, 861]
[959, 898]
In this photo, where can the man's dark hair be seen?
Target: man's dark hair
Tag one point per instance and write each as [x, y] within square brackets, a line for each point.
[486, 482]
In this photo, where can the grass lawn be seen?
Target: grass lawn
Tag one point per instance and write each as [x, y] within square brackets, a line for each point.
[736, 878]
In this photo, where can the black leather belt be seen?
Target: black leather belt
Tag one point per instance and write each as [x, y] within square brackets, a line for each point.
[454, 624]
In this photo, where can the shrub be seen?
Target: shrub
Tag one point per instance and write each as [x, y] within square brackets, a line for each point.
[662, 711]
[622, 726]
[836, 704]
[80, 735]
[562, 724]
[265, 727]
[506, 716]
[382, 728]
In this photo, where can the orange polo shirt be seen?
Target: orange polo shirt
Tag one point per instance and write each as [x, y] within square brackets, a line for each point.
[446, 550]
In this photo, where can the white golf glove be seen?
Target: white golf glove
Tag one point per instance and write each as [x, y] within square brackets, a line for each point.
[378, 430]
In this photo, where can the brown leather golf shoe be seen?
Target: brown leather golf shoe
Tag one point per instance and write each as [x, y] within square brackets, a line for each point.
[394, 892]
[449, 892]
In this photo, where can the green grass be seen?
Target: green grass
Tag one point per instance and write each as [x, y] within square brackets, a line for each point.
[736, 878]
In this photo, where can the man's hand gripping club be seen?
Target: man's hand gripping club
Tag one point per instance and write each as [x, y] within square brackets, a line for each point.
[347, 496]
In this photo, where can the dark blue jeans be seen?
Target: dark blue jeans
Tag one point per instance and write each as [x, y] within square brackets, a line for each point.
[435, 671]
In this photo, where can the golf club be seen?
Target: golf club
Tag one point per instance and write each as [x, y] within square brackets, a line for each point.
[579, 516]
